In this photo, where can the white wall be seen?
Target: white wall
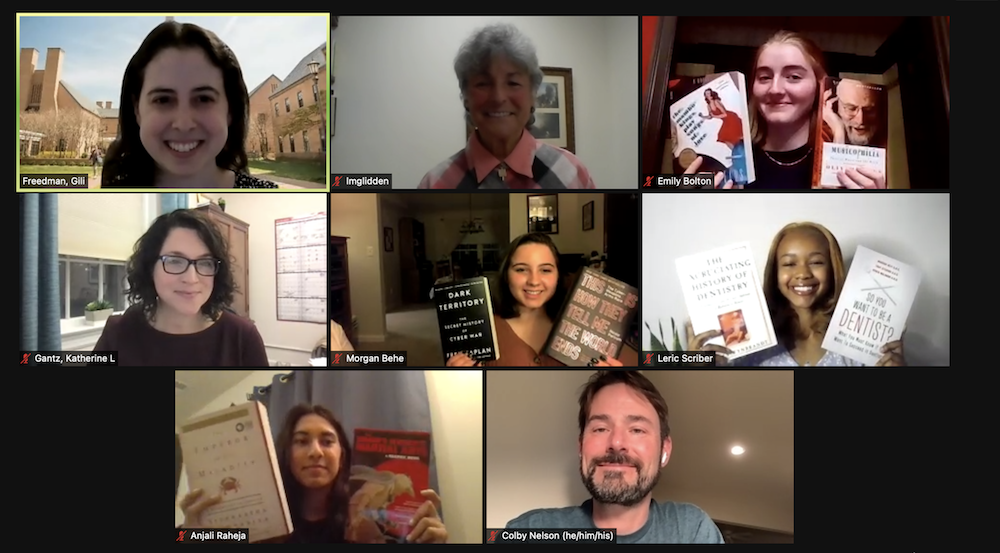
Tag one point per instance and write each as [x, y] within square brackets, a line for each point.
[398, 103]
[913, 228]
[289, 342]
[456, 400]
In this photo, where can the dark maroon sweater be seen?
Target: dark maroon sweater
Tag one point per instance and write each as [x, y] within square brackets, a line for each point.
[232, 341]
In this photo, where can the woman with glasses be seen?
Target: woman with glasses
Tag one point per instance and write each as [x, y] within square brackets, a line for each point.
[180, 288]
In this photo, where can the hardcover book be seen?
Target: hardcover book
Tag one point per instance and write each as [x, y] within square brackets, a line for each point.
[389, 471]
[465, 318]
[873, 306]
[854, 131]
[723, 291]
[712, 122]
[595, 319]
[231, 453]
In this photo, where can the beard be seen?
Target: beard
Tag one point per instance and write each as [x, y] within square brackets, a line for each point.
[857, 138]
[615, 489]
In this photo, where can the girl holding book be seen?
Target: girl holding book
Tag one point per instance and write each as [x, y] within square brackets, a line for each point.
[314, 457]
[803, 279]
[785, 108]
[531, 293]
[184, 115]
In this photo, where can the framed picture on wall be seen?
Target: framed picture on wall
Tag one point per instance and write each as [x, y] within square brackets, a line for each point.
[588, 216]
[543, 213]
[387, 238]
[553, 110]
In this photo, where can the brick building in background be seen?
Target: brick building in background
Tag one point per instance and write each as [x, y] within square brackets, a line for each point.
[275, 103]
[69, 122]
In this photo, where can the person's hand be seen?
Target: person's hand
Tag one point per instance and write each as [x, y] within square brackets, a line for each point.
[861, 178]
[605, 362]
[892, 355]
[193, 504]
[427, 525]
[831, 118]
[461, 360]
[696, 164]
[700, 343]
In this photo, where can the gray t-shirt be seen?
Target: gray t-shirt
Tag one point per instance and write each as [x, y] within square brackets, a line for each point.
[669, 522]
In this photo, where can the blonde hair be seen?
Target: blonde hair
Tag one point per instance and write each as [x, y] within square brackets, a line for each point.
[813, 55]
[782, 315]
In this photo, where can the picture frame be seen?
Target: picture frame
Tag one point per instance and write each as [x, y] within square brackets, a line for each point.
[554, 115]
[543, 213]
[588, 216]
[387, 239]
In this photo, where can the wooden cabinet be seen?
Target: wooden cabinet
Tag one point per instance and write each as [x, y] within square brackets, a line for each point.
[237, 235]
[340, 287]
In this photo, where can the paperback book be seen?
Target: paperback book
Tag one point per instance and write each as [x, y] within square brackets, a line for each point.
[712, 122]
[873, 306]
[465, 318]
[389, 470]
[854, 131]
[595, 320]
[231, 453]
[723, 292]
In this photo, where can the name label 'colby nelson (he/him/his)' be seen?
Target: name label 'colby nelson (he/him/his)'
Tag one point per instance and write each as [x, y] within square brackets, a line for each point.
[557, 536]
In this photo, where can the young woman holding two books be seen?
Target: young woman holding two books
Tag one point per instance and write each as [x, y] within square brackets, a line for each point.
[803, 279]
[530, 294]
[785, 108]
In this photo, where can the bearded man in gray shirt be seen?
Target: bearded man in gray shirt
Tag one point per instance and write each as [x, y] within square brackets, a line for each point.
[624, 444]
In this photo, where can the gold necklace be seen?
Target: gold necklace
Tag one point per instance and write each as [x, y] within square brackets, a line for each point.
[792, 163]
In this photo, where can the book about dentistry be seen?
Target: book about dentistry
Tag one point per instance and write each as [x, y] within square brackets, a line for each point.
[712, 122]
[465, 318]
[858, 136]
[231, 453]
[723, 291]
[389, 470]
[595, 320]
[873, 306]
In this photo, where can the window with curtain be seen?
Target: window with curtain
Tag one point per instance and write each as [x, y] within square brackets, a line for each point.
[97, 233]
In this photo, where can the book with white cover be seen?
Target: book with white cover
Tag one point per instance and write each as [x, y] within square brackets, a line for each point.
[723, 291]
[873, 306]
[231, 453]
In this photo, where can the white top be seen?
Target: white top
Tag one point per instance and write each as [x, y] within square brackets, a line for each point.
[338, 339]
[779, 357]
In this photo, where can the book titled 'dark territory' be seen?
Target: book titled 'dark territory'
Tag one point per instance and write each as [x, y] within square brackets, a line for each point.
[595, 320]
[231, 453]
[873, 306]
[465, 317]
[389, 470]
[722, 291]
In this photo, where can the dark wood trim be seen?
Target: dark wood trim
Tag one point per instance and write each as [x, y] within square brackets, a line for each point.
[655, 100]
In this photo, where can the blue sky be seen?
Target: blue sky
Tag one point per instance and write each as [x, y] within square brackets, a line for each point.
[97, 49]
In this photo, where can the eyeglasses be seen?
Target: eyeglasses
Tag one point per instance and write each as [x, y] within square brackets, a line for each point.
[174, 265]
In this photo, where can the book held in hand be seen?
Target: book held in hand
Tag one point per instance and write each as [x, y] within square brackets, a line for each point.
[873, 306]
[595, 320]
[231, 453]
[712, 122]
[389, 470]
[465, 318]
[723, 292]
[858, 137]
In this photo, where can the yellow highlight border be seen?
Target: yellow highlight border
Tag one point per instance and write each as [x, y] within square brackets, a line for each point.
[85, 169]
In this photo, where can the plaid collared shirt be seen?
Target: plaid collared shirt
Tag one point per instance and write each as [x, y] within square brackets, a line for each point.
[532, 165]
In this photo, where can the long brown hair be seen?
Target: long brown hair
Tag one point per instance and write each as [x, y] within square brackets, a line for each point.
[782, 315]
[813, 55]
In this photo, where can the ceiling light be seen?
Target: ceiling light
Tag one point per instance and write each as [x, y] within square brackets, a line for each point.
[737, 450]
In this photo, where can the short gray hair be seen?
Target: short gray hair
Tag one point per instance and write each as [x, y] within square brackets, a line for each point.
[486, 44]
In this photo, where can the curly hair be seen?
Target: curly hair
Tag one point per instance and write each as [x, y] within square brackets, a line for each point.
[147, 252]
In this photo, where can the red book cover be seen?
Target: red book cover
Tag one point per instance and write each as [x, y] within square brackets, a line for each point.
[389, 470]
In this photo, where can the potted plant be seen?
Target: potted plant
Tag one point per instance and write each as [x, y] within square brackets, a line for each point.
[97, 311]
[222, 204]
[658, 342]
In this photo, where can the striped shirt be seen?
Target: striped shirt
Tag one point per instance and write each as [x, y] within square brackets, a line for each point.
[532, 165]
